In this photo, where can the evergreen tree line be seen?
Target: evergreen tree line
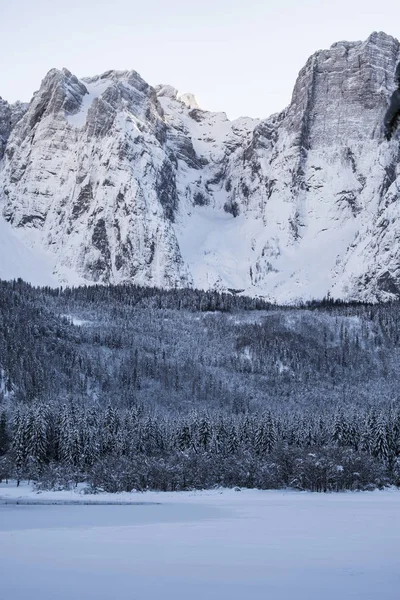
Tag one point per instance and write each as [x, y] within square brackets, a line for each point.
[165, 348]
[124, 449]
[134, 388]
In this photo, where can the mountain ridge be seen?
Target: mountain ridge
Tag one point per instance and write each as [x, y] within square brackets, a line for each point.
[117, 181]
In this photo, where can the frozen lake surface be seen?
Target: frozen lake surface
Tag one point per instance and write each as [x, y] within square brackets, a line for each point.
[247, 545]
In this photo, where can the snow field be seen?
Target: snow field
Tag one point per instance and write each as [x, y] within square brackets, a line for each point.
[215, 545]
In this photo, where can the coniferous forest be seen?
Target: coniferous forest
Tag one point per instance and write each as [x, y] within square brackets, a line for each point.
[140, 388]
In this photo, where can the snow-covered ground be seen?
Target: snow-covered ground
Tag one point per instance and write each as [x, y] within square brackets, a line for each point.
[201, 545]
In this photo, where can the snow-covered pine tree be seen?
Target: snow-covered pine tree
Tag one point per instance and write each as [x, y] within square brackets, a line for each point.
[20, 444]
[4, 437]
[380, 439]
[37, 434]
[204, 433]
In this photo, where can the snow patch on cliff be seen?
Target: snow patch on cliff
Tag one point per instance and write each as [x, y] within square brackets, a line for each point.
[17, 260]
[95, 89]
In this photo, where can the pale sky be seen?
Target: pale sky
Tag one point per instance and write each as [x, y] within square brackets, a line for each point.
[237, 56]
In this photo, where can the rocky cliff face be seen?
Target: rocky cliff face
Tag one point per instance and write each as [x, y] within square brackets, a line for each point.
[325, 180]
[118, 181]
[10, 114]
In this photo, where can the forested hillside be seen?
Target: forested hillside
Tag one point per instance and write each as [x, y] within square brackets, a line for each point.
[130, 387]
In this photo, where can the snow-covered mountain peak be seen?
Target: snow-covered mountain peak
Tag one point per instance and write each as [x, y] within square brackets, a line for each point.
[190, 100]
[119, 181]
[166, 91]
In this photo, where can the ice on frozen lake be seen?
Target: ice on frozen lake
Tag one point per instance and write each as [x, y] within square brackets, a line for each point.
[214, 545]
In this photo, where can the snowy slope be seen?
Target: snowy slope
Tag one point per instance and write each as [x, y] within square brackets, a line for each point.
[118, 181]
[18, 260]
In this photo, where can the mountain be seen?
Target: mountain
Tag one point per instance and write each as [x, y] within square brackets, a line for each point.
[110, 180]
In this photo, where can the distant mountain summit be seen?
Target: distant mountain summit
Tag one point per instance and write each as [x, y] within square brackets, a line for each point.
[110, 180]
